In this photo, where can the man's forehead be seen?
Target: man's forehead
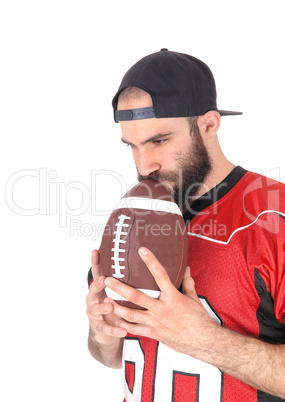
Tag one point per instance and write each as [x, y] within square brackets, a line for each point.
[143, 131]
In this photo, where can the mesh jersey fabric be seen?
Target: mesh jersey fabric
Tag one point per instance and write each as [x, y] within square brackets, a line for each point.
[236, 254]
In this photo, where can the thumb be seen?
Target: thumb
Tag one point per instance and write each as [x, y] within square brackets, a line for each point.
[188, 284]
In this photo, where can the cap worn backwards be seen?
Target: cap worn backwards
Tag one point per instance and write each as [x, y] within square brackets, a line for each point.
[179, 84]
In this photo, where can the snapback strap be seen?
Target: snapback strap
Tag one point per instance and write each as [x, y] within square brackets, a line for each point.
[134, 114]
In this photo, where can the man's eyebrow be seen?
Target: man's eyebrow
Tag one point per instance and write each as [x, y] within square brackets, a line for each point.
[150, 139]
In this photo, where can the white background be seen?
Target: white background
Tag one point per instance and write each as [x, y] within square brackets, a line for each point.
[61, 64]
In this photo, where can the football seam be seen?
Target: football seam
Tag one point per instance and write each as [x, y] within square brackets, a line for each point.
[129, 248]
[110, 245]
[181, 258]
[126, 213]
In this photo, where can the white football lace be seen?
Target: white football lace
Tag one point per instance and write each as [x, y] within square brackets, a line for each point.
[116, 250]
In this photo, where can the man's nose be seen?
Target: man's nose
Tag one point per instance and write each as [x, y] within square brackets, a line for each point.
[147, 163]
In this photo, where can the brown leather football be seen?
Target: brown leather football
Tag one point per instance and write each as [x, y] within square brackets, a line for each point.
[147, 216]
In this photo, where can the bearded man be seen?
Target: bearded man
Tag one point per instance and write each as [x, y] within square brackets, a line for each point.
[221, 337]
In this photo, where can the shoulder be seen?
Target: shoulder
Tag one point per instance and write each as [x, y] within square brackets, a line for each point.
[262, 194]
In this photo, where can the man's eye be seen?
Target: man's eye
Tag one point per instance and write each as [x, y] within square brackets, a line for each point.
[159, 142]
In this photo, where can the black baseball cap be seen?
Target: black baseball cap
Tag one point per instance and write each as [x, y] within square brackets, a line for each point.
[179, 84]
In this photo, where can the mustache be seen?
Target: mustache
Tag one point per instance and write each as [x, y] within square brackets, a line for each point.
[166, 176]
[152, 176]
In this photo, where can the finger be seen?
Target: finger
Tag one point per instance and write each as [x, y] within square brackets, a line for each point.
[100, 309]
[97, 285]
[157, 270]
[132, 315]
[95, 261]
[188, 284]
[99, 315]
[102, 328]
[129, 293]
[135, 329]
[96, 292]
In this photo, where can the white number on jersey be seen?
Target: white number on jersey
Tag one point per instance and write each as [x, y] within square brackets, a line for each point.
[166, 375]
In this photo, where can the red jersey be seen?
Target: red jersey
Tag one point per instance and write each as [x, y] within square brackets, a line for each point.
[236, 255]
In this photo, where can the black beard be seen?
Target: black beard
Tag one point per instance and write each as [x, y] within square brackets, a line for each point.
[193, 169]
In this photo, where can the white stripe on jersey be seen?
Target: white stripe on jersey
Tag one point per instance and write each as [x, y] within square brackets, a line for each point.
[237, 230]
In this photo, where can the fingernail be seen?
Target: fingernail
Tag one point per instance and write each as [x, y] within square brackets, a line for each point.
[143, 251]
[108, 282]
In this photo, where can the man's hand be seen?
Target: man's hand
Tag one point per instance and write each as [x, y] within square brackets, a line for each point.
[100, 311]
[178, 320]
[182, 323]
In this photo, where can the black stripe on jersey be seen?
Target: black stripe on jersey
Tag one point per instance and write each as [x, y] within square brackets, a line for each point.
[263, 397]
[215, 194]
[270, 329]
[89, 277]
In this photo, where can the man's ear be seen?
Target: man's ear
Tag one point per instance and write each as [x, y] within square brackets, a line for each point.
[209, 124]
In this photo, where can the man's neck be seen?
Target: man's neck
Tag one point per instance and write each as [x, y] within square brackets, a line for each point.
[218, 173]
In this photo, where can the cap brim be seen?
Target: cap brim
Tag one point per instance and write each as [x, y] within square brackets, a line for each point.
[229, 113]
